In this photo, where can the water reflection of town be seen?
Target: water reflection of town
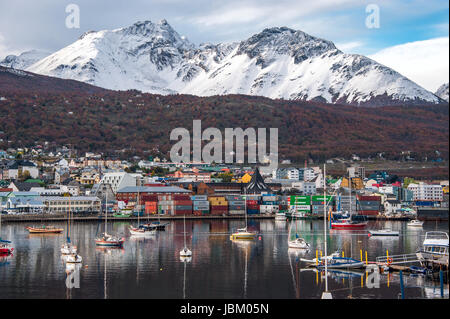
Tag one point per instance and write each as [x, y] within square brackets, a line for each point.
[155, 261]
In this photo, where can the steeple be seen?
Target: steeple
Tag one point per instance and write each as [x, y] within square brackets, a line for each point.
[257, 184]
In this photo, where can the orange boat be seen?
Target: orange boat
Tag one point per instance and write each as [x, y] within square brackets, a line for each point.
[44, 230]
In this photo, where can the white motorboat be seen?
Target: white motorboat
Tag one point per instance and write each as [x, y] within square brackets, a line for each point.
[415, 223]
[384, 232]
[434, 249]
[281, 216]
[298, 243]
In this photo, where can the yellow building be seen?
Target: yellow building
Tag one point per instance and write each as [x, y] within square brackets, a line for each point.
[445, 189]
[245, 178]
[357, 183]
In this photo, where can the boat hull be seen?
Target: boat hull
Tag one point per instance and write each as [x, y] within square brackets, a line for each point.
[348, 226]
[33, 230]
[109, 243]
[139, 233]
[6, 251]
[243, 236]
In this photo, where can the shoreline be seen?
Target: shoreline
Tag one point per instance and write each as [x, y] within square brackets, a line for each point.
[63, 218]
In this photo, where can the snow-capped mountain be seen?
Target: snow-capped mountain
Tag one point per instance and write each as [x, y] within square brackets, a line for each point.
[23, 60]
[276, 63]
[442, 92]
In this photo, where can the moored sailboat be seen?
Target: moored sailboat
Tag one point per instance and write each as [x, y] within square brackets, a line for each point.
[243, 233]
[185, 252]
[106, 239]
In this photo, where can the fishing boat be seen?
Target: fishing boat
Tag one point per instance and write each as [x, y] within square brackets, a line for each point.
[44, 230]
[415, 223]
[434, 249]
[351, 222]
[384, 232]
[68, 248]
[185, 252]
[5, 248]
[243, 233]
[124, 213]
[105, 239]
[157, 225]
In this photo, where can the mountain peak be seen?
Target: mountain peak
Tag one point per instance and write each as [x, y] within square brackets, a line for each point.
[284, 41]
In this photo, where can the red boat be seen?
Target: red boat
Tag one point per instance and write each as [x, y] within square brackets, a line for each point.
[347, 224]
[5, 250]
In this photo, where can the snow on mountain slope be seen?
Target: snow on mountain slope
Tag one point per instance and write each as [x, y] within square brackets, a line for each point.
[442, 92]
[276, 63]
[23, 60]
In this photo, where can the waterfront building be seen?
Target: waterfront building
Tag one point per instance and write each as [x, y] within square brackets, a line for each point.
[62, 204]
[118, 180]
[426, 192]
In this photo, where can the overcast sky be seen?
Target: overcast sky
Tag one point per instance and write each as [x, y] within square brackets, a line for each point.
[411, 32]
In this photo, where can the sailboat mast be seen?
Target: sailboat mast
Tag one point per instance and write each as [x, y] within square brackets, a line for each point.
[106, 212]
[68, 231]
[245, 205]
[350, 185]
[325, 224]
[184, 227]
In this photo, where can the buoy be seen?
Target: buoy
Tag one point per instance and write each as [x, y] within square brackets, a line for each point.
[259, 237]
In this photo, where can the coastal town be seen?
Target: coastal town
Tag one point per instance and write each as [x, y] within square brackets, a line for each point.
[48, 182]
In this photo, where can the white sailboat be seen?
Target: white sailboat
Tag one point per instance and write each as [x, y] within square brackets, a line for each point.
[105, 239]
[68, 248]
[141, 230]
[297, 243]
[185, 252]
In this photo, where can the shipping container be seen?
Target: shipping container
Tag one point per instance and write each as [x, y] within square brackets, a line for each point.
[236, 202]
[199, 198]
[183, 202]
[236, 212]
[234, 197]
[181, 197]
[369, 198]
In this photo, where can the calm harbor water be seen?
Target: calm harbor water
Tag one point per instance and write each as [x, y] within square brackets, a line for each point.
[151, 267]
